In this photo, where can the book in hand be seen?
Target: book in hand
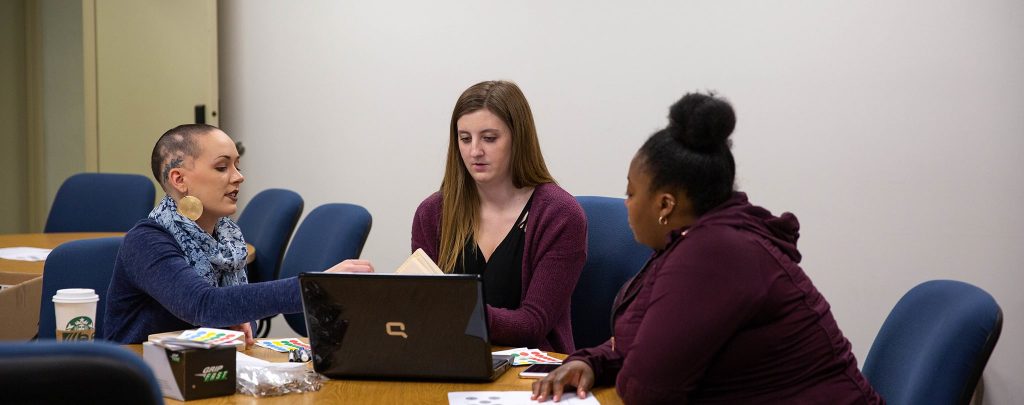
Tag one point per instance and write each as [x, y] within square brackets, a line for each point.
[419, 263]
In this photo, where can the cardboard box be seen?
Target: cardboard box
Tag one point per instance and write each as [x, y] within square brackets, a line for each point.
[187, 373]
[19, 305]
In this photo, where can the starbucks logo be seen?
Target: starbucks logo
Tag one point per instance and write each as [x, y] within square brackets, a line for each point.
[80, 323]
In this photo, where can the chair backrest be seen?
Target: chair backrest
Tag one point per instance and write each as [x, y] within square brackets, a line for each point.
[48, 372]
[86, 263]
[613, 256]
[934, 345]
[101, 202]
[267, 223]
[329, 234]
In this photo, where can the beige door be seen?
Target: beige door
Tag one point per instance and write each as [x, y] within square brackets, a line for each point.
[156, 60]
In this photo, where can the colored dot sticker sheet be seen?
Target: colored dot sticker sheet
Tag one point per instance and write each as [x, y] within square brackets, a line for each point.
[532, 356]
[282, 345]
[211, 335]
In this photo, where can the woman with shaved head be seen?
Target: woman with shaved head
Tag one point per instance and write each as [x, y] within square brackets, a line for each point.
[184, 266]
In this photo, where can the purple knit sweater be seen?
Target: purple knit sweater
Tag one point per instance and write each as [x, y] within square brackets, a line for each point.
[553, 257]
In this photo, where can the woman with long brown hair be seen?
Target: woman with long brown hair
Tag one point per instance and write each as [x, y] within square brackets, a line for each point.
[500, 214]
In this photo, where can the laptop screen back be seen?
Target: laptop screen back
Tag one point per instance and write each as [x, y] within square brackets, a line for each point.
[386, 325]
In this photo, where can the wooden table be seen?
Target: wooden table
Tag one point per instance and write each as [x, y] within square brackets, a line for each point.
[50, 241]
[41, 240]
[382, 392]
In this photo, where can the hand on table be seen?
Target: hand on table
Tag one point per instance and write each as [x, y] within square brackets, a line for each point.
[247, 329]
[575, 373]
[352, 266]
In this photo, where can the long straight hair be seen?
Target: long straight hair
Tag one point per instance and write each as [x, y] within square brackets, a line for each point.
[460, 206]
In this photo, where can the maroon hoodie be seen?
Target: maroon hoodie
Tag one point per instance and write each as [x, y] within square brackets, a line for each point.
[725, 314]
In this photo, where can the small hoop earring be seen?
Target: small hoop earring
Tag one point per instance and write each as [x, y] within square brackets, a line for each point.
[662, 220]
[190, 207]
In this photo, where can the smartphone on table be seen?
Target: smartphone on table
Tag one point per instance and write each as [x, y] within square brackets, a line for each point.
[538, 370]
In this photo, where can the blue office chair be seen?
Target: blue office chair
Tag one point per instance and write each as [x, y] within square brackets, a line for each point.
[613, 257]
[934, 345]
[100, 202]
[267, 223]
[329, 234]
[49, 372]
[86, 263]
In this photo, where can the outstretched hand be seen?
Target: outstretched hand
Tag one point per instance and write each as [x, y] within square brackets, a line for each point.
[575, 373]
[247, 329]
[352, 266]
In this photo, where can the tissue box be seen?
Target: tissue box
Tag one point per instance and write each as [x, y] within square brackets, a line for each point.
[190, 373]
[19, 305]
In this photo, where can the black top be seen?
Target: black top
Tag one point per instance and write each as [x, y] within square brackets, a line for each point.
[503, 274]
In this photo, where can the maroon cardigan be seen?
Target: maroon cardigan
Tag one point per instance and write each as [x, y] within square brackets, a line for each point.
[724, 314]
[553, 256]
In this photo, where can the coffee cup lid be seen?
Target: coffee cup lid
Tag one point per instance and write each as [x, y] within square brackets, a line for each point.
[76, 295]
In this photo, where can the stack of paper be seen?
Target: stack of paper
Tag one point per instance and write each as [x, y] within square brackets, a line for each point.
[211, 335]
[204, 335]
[28, 254]
[419, 263]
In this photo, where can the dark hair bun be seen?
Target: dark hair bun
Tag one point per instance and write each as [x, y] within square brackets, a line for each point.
[701, 122]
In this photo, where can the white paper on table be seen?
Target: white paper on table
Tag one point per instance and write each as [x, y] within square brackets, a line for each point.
[27, 254]
[509, 352]
[512, 398]
[243, 360]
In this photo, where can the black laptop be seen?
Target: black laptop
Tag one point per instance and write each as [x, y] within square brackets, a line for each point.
[367, 325]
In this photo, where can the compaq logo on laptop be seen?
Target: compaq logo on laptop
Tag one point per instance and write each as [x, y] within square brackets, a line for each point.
[396, 329]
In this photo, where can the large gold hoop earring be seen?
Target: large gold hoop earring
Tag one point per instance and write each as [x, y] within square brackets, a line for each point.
[190, 207]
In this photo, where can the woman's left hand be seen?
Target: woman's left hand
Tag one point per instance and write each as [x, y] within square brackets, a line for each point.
[247, 329]
[575, 373]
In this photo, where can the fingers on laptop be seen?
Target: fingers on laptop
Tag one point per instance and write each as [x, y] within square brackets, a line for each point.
[352, 266]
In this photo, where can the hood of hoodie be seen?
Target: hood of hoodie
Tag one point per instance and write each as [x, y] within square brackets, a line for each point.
[737, 212]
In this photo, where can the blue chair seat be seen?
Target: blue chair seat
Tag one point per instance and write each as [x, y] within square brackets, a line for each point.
[330, 234]
[101, 202]
[613, 257]
[267, 223]
[86, 263]
[934, 344]
[49, 372]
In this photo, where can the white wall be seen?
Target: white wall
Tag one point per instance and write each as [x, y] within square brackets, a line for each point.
[892, 130]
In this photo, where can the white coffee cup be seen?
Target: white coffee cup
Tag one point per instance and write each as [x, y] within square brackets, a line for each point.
[76, 310]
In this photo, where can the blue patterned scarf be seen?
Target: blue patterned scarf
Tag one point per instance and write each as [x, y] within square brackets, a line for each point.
[220, 259]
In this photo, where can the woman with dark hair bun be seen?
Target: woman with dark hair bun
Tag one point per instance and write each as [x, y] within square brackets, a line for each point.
[721, 312]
